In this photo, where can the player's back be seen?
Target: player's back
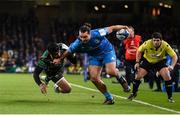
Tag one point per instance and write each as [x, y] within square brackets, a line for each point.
[97, 45]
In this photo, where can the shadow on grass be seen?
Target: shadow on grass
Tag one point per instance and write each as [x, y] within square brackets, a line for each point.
[48, 102]
[24, 101]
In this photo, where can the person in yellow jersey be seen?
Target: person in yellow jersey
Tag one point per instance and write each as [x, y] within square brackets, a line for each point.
[152, 55]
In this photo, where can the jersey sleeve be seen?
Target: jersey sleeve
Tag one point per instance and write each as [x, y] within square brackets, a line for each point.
[43, 62]
[100, 32]
[36, 74]
[74, 46]
[169, 50]
[72, 58]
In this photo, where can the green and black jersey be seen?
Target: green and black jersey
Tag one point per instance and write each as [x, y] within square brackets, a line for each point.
[46, 63]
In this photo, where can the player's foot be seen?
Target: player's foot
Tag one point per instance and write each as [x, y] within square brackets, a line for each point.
[170, 100]
[109, 102]
[126, 87]
[132, 96]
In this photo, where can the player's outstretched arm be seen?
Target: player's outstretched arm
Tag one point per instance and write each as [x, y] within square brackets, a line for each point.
[36, 74]
[116, 27]
[42, 86]
[72, 58]
[65, 54]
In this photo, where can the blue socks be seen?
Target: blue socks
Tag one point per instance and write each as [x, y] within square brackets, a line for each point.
[108, 96]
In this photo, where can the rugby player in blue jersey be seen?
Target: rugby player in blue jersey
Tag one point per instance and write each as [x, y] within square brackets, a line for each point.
[100, 52]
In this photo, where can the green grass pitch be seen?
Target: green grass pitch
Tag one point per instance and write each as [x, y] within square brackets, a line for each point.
[20, 95]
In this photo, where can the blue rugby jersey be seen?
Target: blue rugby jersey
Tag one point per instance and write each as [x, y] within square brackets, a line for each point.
[97, 45]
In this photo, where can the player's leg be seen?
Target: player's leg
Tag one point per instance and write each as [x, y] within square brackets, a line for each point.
[95, 69]
[142, 71]
[175, 77]
[95, 72]
[140, 74]
[109, 60]
[113, 71]
[133, 72]
[61, 84]
[164, 72]
[128, 72]
[158, 83]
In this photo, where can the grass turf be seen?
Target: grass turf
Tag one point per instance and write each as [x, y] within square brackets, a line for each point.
[20, 95]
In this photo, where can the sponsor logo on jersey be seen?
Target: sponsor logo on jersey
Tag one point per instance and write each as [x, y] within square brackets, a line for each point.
[102, 32]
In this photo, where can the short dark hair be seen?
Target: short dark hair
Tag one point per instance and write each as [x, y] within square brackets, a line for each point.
[53, 48]
[86, 27]
[157, 35]
[131, 27]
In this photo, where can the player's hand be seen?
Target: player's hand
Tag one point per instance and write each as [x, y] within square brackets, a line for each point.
[56, 61]
[128, 29]
[136, 66]
[43, 88]
[170, 68]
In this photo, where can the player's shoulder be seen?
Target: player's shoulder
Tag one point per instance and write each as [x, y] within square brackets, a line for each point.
[94, 32]
[45, 54]
[101, 31]
[138, 37]
[62, 46]
[165, 44]
[76, 42]
[148, 42]
[98, 29]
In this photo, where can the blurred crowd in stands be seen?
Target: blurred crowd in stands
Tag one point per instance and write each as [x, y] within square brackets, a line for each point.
[22, 44]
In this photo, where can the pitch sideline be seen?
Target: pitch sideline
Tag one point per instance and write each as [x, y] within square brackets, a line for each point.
[137, 101]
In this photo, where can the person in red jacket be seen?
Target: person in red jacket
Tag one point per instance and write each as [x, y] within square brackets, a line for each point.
[128, 51]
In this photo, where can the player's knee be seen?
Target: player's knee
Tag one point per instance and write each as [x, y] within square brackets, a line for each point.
[138, 77]
[167, 78]
[64, 89]
[67, 90]
[166, 75]
[94, 79]
[111, 71]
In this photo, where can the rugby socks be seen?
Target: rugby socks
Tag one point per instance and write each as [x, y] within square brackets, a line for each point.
[158, 83]
[121, 79]
[108, 96]
[136, 84]
[123, 82]
[56, 88]
[168, 85]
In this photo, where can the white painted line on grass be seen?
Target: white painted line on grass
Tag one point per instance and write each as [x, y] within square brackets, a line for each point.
[137, 101]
